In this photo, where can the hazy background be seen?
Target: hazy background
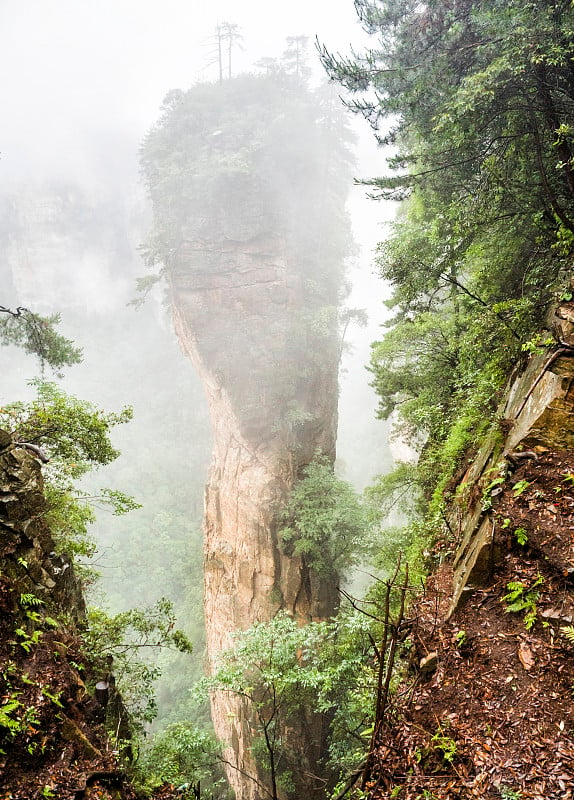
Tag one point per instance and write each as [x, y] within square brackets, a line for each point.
[81, 79]
[81, 83]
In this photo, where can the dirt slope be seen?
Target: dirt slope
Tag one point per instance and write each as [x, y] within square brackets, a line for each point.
[495, 717]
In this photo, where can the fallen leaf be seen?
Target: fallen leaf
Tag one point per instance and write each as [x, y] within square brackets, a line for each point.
[526, 656]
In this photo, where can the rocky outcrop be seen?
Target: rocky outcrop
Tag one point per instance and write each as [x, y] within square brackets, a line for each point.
[271, 383]
[537, 415]
[248, 180]
[489, 710]
[27, 548]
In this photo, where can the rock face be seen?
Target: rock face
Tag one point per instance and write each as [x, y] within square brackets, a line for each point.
[26, 538]
[52, 736]
[271, 384]
[538, 415]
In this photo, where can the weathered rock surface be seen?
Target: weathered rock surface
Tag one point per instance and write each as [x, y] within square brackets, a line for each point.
[538, 415]
[249, 181]
[52, 741]
[271, 383]
[26, 544]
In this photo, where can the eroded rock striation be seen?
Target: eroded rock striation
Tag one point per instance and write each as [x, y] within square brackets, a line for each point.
[538, 417]
[491, 635]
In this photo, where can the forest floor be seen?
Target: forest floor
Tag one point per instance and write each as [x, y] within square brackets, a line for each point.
[495, 718]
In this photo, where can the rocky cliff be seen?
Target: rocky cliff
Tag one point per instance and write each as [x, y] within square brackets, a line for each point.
[490, 711]
[271, 383]
[248, 181]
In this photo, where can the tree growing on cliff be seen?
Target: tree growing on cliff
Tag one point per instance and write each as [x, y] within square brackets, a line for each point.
[129, 642]
[285, 671]
[73, 437]
[257, 153]
[324, 521]
[38, 336]
[226, 32]
[272, 668]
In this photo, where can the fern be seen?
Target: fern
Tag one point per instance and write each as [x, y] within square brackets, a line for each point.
[568, 631]
[6, 721]
[515, 590]
[27, 600]
[520, 487]
[523, 598]
[521, 536]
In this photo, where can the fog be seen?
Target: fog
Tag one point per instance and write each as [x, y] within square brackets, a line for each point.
[82, 84]
[82, 81]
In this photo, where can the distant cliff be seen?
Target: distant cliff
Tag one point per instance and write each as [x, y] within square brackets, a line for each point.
[258, 451]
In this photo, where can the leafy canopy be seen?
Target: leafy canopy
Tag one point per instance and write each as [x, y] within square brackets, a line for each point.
[127, 637]
[73, 432]
[75, 435]
[475, 101]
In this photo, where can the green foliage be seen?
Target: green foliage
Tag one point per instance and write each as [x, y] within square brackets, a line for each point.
[521, 535]
[507, 793]
[324, 520]
[269, 662]
[284, 670]
[28, 600]
[522, 597]
[8, 720]
[28, 640]
[271, 667]
[254, 152]
[53, 698]
[445, 745]
[38, 335]
[538, 343]
[476, 100]
[180, 754]
[76, 436]
[129, 639]
[69, 516]
[347, 689]
[399, 488]
[568, 632]
[15, 717]
[30, 634]
[520, 487]
[74, 432]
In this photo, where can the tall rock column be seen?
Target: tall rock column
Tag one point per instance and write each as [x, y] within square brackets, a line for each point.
[238, 328]
[251, 231]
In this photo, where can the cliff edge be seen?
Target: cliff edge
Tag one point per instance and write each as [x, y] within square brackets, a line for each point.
[490, 711]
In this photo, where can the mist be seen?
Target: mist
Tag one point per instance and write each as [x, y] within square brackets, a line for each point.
[83, 84]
